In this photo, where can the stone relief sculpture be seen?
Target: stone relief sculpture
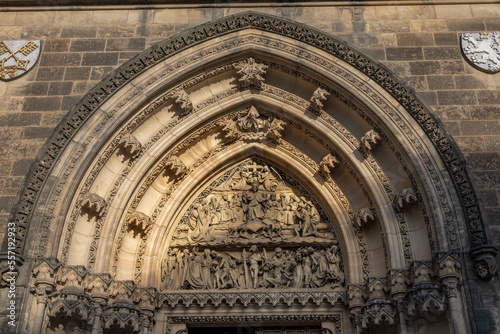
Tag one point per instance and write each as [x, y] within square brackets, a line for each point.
[303, 267]
[224, 237]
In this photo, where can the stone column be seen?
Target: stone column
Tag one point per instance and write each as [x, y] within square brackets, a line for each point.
[96, 325]
[449, 275]
[455, 306]
[41, 292]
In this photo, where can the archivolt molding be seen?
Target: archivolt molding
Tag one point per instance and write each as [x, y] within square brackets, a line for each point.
[102, 107]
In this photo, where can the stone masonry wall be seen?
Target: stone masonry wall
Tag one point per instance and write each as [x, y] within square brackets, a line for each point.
[420, 44]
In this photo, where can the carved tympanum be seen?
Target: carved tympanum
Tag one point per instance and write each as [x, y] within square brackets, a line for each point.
[224, 237]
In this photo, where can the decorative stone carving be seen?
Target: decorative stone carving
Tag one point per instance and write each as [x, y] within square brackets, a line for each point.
[424, 300]
[97, 285]
[485, 262]
[406, 196]
[93, 206]
[252, 204]
[122, 291]
[318, 100]
[72, 275]
[183, 100]
[129, 146]
[120, 316]
[369, 141]
[251, 73]
[245, 298]
[328, 165]
[364, 216]
[380, 312]
[17, 57]
[176, 166]
[70, 303]
[138, 222]
[145, 298]
[254, 125]
[399, 283]
[482, 50]
[422, 272]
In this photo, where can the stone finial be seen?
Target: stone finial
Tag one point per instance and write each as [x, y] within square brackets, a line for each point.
[364, 216]
[406, 196]
[93, 205]
[318, 100]
[369, 140]
[251, 73]
[183, 100]
[328, 165]
[130, 145]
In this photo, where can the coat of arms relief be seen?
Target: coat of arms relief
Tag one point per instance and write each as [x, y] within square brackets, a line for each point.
[482, 50]
[17, 58]
[255, 227]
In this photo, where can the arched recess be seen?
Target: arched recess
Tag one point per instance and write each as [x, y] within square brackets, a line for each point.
[128, 169]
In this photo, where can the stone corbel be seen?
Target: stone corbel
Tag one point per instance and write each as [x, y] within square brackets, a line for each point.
[129, 146]
[138, 222]
[369, 140]
[251, 73]
[399, 283]
[145, 298]
[93, 206]
[318, 100]
[365, 216]
[405, 197]
[183, 100]
[485, 261]
[328, 165]
[97, 285]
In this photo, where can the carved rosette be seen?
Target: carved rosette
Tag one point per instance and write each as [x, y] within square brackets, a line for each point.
[318, 100]
[251, 73]
[93, 206]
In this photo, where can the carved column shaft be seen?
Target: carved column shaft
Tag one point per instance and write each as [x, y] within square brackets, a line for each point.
[41, 304]
[455, 305]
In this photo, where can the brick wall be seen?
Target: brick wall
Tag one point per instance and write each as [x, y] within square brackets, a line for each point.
[418, 43]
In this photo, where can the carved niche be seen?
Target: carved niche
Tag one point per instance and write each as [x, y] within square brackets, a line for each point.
[255, 227]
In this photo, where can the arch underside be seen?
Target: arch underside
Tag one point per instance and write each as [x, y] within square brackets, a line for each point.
[148, 162]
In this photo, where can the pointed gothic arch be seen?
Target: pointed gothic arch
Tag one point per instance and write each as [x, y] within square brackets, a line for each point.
[120, 178]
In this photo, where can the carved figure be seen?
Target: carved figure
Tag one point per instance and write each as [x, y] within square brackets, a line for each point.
[254, 203]
[200, 222]
[254, 260]
[252, 121]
